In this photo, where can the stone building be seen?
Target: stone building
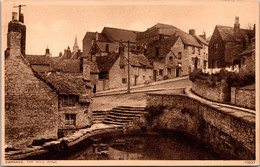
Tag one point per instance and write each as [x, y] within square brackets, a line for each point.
[40, 63]
[226, 44]
[247, 59]
[74, 101]
[114, 70]
[172, 51]
[31, 103]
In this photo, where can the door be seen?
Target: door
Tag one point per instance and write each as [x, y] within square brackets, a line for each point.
[154, 75]
[177, 72]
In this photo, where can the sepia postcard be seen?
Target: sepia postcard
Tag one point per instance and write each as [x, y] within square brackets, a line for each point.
[130, 83]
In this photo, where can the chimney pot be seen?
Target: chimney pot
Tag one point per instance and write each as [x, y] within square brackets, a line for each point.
[96, 36]
[14, 17]
[236, 25]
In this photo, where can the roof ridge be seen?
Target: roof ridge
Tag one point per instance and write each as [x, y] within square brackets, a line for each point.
[121, 29]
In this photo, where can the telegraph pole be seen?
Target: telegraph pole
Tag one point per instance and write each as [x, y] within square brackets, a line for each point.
[128, 79]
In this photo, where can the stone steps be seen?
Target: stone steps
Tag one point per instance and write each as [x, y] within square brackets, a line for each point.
[122, 115]
[99, 116]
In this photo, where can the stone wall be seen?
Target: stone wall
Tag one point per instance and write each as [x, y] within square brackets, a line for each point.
[243, 97]
[31, 106]
[219, 92]
[226, 134]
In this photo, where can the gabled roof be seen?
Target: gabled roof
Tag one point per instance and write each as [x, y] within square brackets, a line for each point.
[139, 60]
[104, 63]
[38, 59]
[92, 35]
[68, 84]
[112, 46]
[187, 39]
[201, 40]
[65, 65]
[115, 34]
[228, 34]
[161, 25]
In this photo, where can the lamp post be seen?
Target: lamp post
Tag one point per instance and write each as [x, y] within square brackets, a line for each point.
[128, 79]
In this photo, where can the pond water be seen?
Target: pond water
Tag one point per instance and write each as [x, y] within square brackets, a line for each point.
[144, 147]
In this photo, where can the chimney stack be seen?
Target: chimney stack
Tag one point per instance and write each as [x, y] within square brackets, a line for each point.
[203, 35]
[96, 36]
[121, 48]
[236, 25]
[192, 32]
[21, 18]
[14, 16]
[47, 51]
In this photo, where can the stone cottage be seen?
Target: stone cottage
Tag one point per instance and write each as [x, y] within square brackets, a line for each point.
[114, 70]
[75, 103]
[172, 51]
[31, 103]
[226, 44]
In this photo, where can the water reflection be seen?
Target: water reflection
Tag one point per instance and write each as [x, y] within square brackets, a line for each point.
[148, 147]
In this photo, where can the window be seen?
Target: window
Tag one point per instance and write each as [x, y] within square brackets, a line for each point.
[170, 58]
[122, 67]
[179, 55]
[193, 50]
[169, 70]
[107, 48]
[70, 119]
[161, 72]
[199, 50]
[157, 52]
[70, 100]
[123, 80]
[185, 46]
[215, 47]
[205, 64]
[198, 62]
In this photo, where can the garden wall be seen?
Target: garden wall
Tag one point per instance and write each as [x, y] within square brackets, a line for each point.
[243, 97]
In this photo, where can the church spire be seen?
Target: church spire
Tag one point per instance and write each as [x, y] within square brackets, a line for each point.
[75, 47]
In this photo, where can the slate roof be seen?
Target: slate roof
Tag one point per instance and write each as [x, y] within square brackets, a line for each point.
[92, 35]
[201, 40]
[139, 60]
[38, 59]
[65, 65]
[104, 63]
[68, 84]
[112, 46]
[115, 34]
[227, 33]
[161, 25]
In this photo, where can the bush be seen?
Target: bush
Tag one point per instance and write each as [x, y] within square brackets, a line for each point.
[196, 74]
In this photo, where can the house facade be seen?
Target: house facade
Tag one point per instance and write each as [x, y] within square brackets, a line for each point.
[173, 52]
[226, 44]
[114, 70]
[75, 103]
[31, 103]
[247, 59]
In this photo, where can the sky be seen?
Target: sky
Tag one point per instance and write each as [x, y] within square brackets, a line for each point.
[56, 23]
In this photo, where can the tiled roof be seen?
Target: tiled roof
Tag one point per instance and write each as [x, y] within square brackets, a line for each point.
[38, 59]
[92, 35]
[201, 40]
[227, 33]
[67, 83]
[161, 25]
[104, 63]
[115, 34]
[139, 60]
[112, 46]
[65, 65]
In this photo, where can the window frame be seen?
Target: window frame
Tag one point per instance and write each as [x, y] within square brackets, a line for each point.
[70, 119]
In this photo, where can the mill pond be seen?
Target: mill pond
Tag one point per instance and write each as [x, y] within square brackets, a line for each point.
[143, 147]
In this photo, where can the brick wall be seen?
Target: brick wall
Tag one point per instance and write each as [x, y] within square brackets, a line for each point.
[219, 93]
[243, 97]
[222, 131]
[31, 106]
